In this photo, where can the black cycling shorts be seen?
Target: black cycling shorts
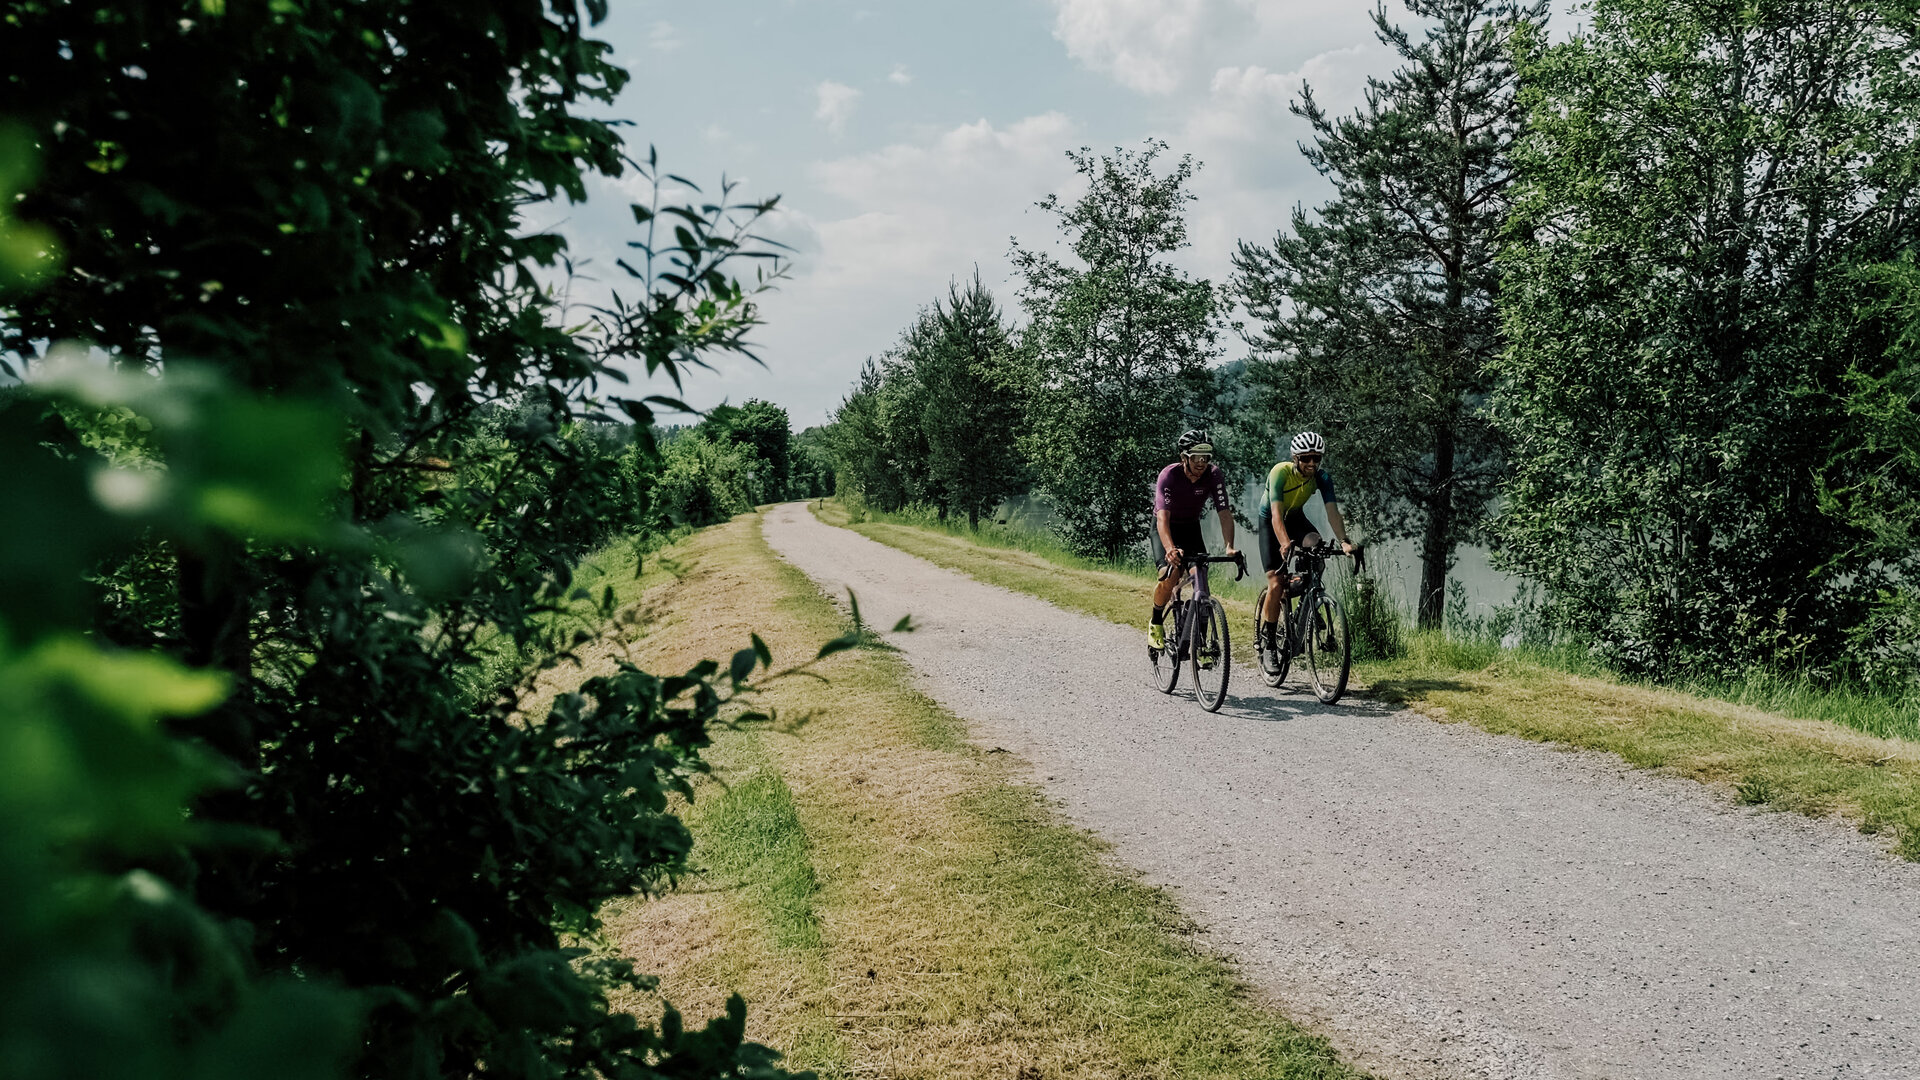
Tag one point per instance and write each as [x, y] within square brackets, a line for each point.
[1297, 527]
[1186, 536]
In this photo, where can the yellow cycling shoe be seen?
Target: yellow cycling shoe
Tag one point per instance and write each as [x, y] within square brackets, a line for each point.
[1156, 635]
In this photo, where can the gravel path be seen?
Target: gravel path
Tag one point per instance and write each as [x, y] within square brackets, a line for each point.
[1439, 901]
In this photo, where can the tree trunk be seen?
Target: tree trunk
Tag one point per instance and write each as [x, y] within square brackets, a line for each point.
[214, 617]
[1436, 546]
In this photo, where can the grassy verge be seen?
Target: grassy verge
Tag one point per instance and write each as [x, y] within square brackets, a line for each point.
[894, 901]
[1814, 763]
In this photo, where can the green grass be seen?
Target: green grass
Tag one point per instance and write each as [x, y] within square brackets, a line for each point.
[1783, 744]
[751, 839]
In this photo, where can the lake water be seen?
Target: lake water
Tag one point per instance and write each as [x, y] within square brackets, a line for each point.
[1395, 562]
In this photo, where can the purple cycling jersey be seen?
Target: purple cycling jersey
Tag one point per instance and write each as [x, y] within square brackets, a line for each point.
[1185, 499]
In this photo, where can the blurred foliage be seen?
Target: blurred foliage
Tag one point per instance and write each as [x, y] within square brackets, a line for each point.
[326, 446]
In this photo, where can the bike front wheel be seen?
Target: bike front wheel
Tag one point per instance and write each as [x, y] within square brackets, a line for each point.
[1329, 649]
[1212, 655]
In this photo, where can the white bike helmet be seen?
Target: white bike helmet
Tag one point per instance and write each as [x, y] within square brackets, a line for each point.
[1309, 442]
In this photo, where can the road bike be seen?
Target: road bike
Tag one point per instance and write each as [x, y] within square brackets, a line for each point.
[1316, 628]
[1197, 635]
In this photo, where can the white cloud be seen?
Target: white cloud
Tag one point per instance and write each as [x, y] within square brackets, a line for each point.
[663, 37]
[881, 235]
[1147, 45]
[899, 76]
[835, 105]
[1163, 47]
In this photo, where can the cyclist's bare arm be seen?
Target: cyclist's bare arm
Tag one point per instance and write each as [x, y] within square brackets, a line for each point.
[1339, 526]
[1160, 522]
[1226, 529]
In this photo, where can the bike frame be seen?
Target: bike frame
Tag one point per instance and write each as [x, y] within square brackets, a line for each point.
[1197, 570]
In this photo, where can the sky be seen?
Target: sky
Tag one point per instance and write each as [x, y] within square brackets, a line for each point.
[908, 143]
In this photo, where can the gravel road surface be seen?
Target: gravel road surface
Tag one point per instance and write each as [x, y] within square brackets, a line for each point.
[1439, 901]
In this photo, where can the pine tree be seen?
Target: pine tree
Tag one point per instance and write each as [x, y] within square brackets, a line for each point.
[970, 418]
[1375, 318]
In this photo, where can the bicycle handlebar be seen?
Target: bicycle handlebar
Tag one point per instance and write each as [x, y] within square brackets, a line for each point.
[1328, 551]
[1238, 558]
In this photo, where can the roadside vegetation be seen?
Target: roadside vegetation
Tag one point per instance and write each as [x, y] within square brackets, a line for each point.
[306, 467]
[894, 900]
[1795, 746]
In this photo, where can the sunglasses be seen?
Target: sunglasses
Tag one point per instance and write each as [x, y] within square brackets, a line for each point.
[1308, 459]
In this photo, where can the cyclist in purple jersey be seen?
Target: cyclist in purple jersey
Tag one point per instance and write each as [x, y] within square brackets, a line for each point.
[1180, 495]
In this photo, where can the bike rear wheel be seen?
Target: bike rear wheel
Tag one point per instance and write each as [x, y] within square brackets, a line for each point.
[1166, 662]
[1212, 655]
[1329, 649]
[1274, 661]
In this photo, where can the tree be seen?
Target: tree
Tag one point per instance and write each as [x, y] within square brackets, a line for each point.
[311, 510]
[813, 463]
[1377, 318]
[1872, 483]
[761, 427]
[1116, 344]
[969, 416]
[859, 442]
[1680, 305]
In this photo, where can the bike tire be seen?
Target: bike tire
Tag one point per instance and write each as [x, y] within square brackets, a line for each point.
[1212, 655]
[1329, 649]
[1273, 666]
[1166, 662]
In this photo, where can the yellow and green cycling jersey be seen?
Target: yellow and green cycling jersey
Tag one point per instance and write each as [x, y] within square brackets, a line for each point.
[1291, 488]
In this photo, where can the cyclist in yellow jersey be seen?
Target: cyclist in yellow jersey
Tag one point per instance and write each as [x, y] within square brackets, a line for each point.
[1283, 523]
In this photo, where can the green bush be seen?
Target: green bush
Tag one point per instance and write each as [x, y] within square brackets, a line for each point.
[276, 814]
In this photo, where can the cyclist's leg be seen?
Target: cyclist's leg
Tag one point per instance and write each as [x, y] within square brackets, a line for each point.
[1162, 590]
[1270, 560]
[1304, 532]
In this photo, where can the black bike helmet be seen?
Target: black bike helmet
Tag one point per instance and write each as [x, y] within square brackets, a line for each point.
[1194, 442]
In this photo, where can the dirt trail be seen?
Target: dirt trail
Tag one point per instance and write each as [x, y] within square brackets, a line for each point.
[1440, 901]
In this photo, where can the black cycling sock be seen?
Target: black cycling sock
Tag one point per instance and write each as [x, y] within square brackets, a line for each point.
[1159, 615]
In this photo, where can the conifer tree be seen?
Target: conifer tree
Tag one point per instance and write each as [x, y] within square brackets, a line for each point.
[1374, 318]
[970, 417]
